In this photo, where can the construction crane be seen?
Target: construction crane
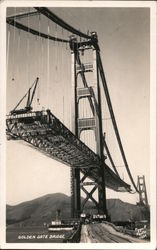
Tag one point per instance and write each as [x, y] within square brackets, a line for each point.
[30, 97]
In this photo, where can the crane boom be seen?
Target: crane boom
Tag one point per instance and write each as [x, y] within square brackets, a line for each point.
[28, 106]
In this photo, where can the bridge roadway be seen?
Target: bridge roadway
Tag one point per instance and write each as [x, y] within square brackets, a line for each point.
[46, 133]
[105, 233]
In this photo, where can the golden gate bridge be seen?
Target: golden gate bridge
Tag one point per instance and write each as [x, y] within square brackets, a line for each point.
[84, 147]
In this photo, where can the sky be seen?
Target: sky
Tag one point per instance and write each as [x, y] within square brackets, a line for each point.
[123, 35]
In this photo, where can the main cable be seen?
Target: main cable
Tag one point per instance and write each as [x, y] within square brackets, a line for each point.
[46, 12]
[113, 118]
[34, 32]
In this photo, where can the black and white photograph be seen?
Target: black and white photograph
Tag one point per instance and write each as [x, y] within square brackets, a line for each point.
[77, 142]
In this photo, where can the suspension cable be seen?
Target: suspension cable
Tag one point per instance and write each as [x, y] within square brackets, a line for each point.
[22, 15]
[34, 32]
[113, 118]
[46, 12]
[109, 156]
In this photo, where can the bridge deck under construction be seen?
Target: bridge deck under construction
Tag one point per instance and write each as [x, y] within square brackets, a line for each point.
[46, 133]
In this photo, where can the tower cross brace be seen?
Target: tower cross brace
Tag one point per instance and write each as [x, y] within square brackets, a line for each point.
[94, 123]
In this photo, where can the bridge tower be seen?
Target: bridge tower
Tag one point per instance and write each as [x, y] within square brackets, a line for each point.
[142, 191]
[94, 122]
[143, 200]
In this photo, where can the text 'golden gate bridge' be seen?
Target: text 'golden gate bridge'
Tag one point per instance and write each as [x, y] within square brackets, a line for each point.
[47, 133]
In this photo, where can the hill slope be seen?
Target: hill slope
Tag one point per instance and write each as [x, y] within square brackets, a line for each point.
[43, 209]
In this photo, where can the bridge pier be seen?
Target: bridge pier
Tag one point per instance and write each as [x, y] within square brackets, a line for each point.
[75, 193]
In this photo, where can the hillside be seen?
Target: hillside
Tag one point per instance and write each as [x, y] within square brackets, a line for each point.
[43, 209]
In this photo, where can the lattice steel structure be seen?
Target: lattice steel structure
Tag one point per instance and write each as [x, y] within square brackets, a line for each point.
[141, 185]
[47, 134]
[94, 123]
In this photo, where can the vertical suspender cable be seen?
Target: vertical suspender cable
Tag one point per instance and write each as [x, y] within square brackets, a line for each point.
[13, 75]
[63, 110]
[29, 50]
[48, 65]
[18, 55]
[39, 43]
[67, 37]
[8, 48]
[42, 63]
[36, 69]
[86, 119]
[62, 76]
[56, 65]
[28, 53]
[35, 64]
[39, 61]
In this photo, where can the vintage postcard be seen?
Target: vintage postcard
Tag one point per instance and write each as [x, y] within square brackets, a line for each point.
[77, 124]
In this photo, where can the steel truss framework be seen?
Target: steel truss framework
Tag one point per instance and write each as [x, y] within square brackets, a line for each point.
[46, 133]
[143, 200]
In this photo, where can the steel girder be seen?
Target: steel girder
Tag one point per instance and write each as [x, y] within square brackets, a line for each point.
[47, 134]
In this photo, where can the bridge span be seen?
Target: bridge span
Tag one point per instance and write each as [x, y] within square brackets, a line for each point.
[50, 136]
